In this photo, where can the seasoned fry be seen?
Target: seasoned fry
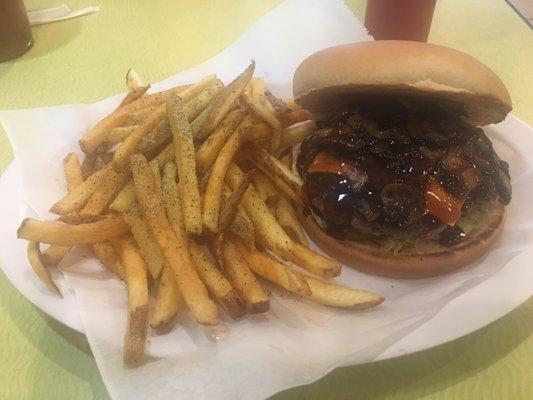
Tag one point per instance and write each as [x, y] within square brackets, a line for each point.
[133, 80]
[294, 117]
[156, 137]
[217, 284]
[208, 151]
[73, 173]
[167, 301]
[285, 189]
[213, 192]
[265, 188]
[265, 225]
[134, 94]
[279, 105]
[335, 295]
[55, 232]
[171, 200]
[105, 193]
[150, 251]
[34, 256]
[231, 204]
[120, 117]
[120, 133]
[54, 254]
[87, 165]
[225, 99]
[289, 221]
[76, 198]
[243, 280]
[194, 90]
[195, 106]
[241, 226]
[176, 254]
[259, 133]
[275, 272]
[126, 196]
[196, 125]
[74, 177]
[130, 145]
[272, 166]
[260, 107]
[313, 262]
[185, 160]
[106, 254]
[137, 286]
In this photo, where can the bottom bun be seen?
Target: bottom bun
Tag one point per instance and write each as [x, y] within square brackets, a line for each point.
[374, 260]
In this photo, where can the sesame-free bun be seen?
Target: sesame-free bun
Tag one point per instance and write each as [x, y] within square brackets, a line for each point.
[421, 262]
[335, 76]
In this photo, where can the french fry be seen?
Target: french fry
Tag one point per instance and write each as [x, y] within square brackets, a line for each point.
[120, 117]
[313, 262]
[294, 117]
[73, 172]
[105, 253]
[156, 137]
[185, 160]
[243, 280]
[138, 116]
[176, 254]
[259, 133]
[285, 189]
[289, 221]
[196, 125]
[241, 226]
[126, 197]
[54, 254]
[167, 301]
[265, 188]
[335, 295]
[297, 132]
[231, 204]
[171, 200]
[260, 107]
[74, 177]
[75, 218]
[87, 165]
[120, 133]
[133, 80]
[213, 192]
[130, 145]
[265, 225]
[226, 98]
[275, 272]
[272, 166]
[137, 286]
[208, 151]
[105, 193]
[194, 90]
[59, 233]
[217, 284]
[150, 251]
[134, 94]
[34, 257]
[279, 105]
[195, 106]
[76, 198]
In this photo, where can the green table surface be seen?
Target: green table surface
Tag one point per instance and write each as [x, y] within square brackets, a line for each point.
[85, 59]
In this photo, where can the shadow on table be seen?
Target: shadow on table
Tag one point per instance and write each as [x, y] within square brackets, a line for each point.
[422, 373]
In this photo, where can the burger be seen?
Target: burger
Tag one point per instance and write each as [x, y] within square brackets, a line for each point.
[399, 179]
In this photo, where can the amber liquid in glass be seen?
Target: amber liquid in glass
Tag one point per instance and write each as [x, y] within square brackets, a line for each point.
[15, 33]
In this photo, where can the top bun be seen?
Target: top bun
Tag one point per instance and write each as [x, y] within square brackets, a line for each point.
[335, 76]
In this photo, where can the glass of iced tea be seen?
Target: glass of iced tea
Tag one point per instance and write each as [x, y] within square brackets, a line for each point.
[15, 33]
[399, 19]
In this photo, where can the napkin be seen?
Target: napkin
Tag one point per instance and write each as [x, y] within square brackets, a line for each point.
[58, 13]
[297, 341]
